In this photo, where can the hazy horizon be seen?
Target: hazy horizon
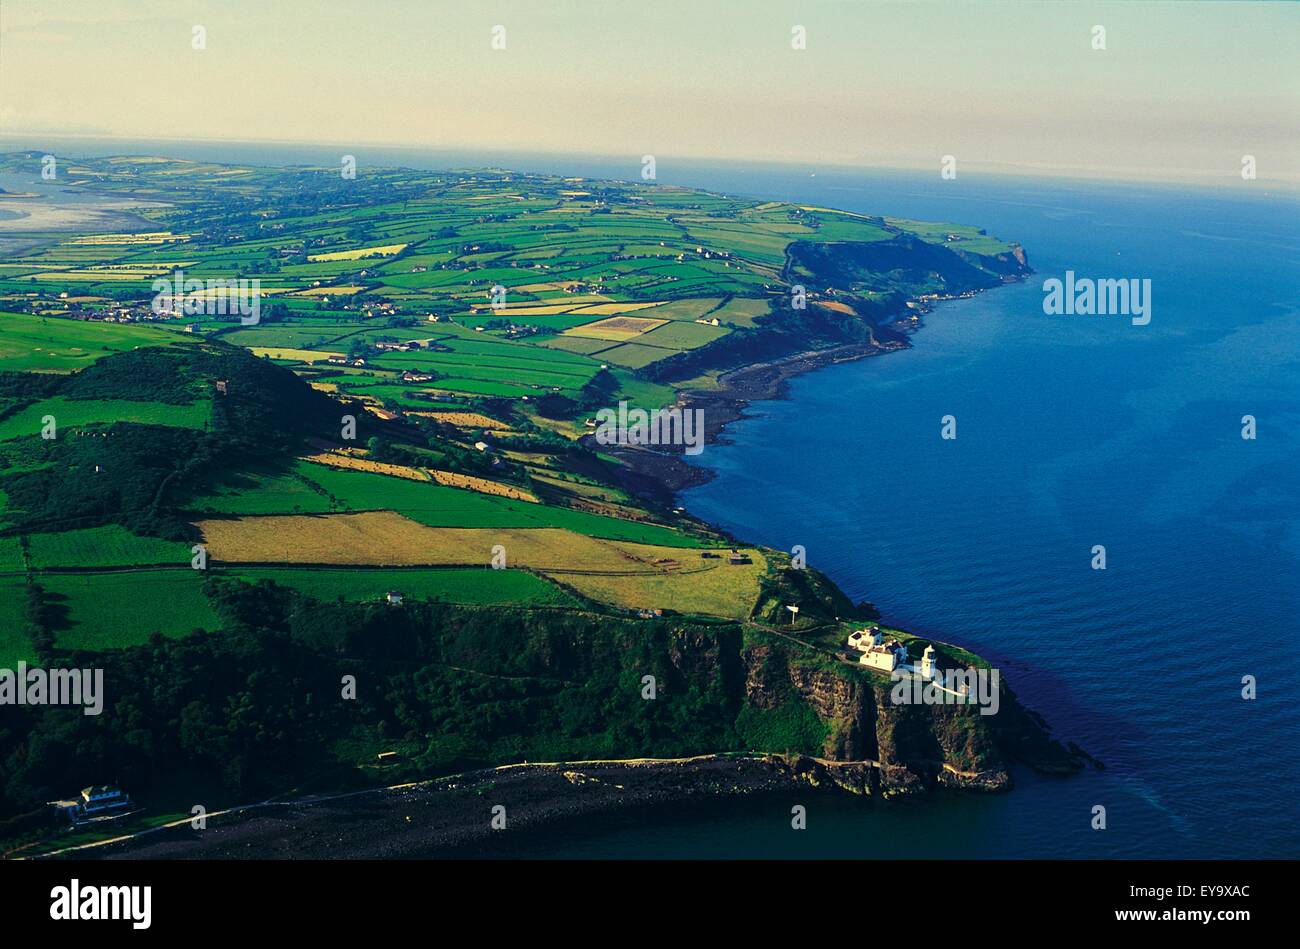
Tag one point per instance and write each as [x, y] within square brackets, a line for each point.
[1180, 93]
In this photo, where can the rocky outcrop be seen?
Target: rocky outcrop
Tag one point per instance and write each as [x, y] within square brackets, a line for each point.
[874, 745]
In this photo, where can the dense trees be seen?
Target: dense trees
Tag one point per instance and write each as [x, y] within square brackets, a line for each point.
[140, 475]
[259, 707]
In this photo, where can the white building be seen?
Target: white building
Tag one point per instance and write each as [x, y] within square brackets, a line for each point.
[891, 655]
[864, 639]
[884, 656]
[928, 668]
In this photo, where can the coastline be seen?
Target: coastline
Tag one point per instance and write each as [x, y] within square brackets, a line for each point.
[452, 816]
[657, 475]
[449, 813]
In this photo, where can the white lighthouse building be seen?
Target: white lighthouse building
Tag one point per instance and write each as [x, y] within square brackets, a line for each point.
[928, 668]
[889, 656]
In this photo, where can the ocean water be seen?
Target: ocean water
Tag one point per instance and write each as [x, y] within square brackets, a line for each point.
[1072, 431]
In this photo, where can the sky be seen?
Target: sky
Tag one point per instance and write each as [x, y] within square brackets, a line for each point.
[1182, 90]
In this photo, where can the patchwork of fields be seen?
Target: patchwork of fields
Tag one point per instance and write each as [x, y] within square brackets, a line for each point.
[618, 573]
[470, 323]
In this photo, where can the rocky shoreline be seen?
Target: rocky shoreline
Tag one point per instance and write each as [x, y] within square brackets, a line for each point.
[453, 817]
[657, 475]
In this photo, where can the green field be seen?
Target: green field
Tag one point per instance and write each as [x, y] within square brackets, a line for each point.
[257, 492]
[78, 413]
[11, 555]
[439, 506]
[109, 546]
[15, 644]
[469, 586]
[40, 344]
[112, 610]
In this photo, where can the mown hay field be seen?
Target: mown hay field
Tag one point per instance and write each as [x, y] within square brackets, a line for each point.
[465, 420]
[387, 250]
[385, 538]
[615, 328]
[719, 589]
[450, 479]
[615, 572]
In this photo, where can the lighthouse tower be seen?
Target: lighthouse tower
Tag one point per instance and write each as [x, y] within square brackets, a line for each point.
[928, 668]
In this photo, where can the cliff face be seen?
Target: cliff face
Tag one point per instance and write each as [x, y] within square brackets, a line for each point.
[873, 745]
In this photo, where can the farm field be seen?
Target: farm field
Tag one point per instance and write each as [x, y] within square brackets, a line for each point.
[437, 505]
[41, 344]
[613, 572]
[112, 610]
[260, 492]
[385, 538]
[15, 644]
[476, 586]
[11, 555]
[79, 413]
[717, 589]
[108, 546]
[468, 322]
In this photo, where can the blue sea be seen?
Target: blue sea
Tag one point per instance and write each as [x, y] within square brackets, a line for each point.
[1072, 431]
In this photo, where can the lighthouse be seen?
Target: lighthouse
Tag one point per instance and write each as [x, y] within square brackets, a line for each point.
[928, 667]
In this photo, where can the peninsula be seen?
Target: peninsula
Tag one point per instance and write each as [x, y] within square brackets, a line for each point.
[342, 481]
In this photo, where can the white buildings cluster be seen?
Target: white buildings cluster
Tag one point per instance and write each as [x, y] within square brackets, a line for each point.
[891, 655]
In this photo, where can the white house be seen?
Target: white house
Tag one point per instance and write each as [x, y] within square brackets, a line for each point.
[864, 639]
[885, 656]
